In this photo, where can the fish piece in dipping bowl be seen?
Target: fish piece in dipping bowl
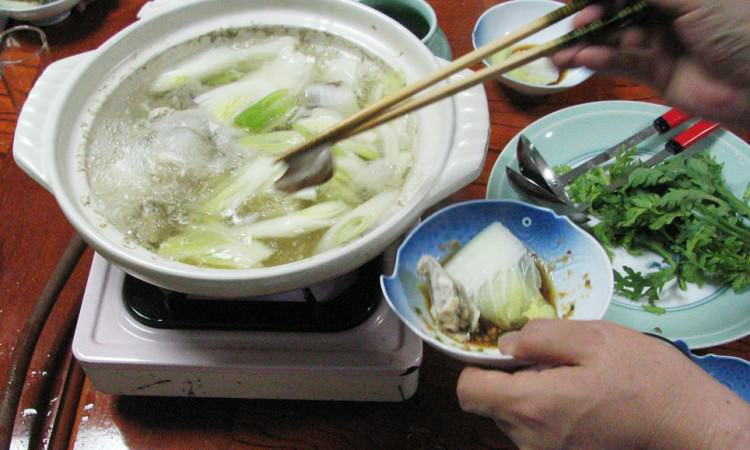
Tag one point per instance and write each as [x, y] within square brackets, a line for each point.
[475, 270]
[539, 77]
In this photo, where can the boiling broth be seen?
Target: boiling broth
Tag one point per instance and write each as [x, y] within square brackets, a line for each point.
[182, 158]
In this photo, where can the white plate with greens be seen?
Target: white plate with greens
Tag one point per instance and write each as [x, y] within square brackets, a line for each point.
[701, 316]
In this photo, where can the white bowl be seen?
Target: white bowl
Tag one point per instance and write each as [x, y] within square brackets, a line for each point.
[504, 18]
[450, 148]
[38, 14]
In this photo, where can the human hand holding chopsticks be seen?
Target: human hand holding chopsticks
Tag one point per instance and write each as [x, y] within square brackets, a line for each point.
[695, 52]
[310, 163]
[604, 386]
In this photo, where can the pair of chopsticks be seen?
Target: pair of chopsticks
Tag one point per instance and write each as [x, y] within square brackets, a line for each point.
[394, 105]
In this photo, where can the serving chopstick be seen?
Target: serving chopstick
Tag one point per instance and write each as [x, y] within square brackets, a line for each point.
[361, 119]
[396, 105]
[623, 16]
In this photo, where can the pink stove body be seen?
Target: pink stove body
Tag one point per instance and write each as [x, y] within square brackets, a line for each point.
[377, 360]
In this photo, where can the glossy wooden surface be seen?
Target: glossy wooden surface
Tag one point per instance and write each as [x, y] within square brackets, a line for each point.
[34, 233]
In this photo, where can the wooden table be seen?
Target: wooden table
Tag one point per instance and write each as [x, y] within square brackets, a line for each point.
[34, 234]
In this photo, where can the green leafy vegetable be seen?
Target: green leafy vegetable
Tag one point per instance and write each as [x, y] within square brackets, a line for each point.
[681, 210]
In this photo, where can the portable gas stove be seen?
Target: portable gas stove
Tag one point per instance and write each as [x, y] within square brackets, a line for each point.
[337, 340]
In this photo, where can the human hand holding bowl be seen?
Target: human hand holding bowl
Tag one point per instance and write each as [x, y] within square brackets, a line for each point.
[607, 387]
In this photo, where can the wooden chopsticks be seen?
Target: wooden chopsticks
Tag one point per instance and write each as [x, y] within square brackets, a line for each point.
[361, 120]
[395, 105]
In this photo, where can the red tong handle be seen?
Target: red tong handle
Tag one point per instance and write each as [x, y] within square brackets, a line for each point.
[695, 133]
[670, 119]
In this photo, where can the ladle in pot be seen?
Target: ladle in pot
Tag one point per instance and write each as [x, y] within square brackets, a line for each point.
[530, 190]
[534, 167]
[309, 168]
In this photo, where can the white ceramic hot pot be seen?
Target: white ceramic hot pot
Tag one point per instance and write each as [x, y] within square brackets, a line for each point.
[49, 142]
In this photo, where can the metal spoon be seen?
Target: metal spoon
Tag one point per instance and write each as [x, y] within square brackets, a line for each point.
[534, 167]
[532, 191]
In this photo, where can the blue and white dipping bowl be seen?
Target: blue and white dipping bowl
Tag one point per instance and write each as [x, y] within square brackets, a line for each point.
[579, 267]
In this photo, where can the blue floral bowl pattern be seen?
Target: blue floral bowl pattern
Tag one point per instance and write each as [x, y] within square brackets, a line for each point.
[578, 266]
[731, 371]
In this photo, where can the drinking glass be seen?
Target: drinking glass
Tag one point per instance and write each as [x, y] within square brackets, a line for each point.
[24, 53]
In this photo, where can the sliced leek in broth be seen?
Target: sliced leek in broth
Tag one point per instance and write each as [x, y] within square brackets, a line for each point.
[181, 157]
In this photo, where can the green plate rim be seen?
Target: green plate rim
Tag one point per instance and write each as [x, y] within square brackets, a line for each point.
[724, 318]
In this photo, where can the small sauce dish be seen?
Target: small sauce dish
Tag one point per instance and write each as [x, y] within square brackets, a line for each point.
[539, 77]
[37, 12]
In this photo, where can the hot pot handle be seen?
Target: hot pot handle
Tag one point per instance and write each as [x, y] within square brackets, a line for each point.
[470, 141]
[28, 151]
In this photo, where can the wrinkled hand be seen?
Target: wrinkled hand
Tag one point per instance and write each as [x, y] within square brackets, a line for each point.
[696, 53]
[610, 387]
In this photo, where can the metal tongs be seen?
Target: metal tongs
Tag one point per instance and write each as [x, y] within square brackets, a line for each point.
[311, 162]
[539, 182]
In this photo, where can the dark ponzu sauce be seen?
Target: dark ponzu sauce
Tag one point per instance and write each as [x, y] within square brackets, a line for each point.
[547, 288]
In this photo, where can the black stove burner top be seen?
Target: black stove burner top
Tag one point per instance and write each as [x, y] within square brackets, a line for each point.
[160, 308]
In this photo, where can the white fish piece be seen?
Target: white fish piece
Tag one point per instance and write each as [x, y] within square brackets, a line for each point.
[332, 96]
[450, 307]
[344, 69]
